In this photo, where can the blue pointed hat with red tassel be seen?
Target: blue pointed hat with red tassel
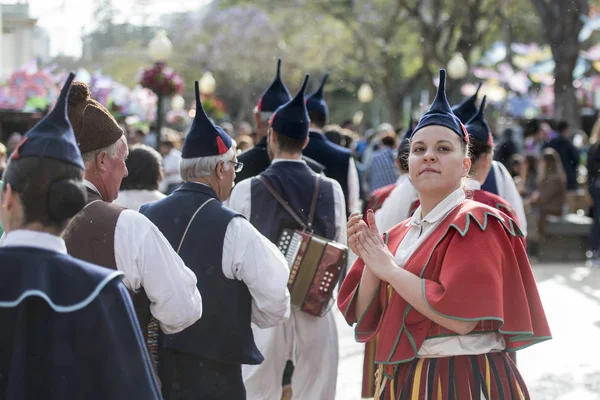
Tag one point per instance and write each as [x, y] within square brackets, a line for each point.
[204, 138]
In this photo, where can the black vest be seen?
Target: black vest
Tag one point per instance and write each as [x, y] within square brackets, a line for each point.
[295, 182]
[335, 159]
[223, 333]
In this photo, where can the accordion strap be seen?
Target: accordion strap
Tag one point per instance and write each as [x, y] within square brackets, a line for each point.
[313, 205]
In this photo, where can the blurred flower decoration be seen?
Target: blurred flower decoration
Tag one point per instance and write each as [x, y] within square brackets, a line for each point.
[162, 80]
[28, 90]
[178, 119]
[213, 106]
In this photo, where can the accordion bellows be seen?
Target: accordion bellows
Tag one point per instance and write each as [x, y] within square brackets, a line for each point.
[315, 266]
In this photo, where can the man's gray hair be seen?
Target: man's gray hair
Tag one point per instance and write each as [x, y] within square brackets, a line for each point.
[264, 115]
[194, 168]
[112, 151]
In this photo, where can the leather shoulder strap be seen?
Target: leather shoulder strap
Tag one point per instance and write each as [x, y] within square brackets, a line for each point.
[313, 204]
[282, 202]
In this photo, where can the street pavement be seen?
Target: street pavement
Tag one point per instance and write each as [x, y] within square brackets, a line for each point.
[564, 368]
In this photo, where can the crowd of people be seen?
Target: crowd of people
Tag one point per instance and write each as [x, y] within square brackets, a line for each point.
[164, 277]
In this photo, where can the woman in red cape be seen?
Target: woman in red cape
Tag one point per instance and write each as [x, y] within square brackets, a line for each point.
[448, 292]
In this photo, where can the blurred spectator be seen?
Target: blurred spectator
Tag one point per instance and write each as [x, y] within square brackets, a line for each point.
[569, 155]
[516, 166]
[531, 176]
[536, 133]
[171, 157]
[506, 149]
[593, 167]
[334, 134]
[13, 141]
[137, 136]
[227, 127]
[244, 128]
[552, 186]
[349, 138]
[383, 170]
[3, 157]
[140, 186]
[348, 124]
[244, 143]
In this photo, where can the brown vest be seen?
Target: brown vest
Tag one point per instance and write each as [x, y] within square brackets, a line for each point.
[91, 234]
[91, 237]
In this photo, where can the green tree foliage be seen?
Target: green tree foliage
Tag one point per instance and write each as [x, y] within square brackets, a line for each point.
[396, 46]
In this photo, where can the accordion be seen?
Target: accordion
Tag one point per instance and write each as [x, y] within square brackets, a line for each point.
[315, 266]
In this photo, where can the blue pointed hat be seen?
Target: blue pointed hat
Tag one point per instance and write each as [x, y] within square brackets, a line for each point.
[465, 110]
[478, 128]
[315, 102]
[441, 114]
[291, 119]
[204, 139]
[53, 136]
[276, 95]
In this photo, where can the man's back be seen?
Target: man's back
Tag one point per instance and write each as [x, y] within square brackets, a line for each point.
[336, 160]
[295, 182]
[68, 331]
[194, 222]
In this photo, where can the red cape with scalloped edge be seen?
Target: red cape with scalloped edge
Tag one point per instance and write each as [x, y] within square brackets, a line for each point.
[474, 267]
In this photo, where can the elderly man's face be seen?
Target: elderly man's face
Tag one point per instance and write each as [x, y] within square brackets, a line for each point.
[227, 178]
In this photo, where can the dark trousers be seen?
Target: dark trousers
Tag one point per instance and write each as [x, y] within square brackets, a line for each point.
[186, 376]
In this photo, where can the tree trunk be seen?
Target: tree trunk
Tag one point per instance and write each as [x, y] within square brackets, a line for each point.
[562, 23]
[565, 102]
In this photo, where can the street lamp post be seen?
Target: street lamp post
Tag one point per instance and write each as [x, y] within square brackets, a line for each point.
[159, 51]
[458, 69]
[365, 95]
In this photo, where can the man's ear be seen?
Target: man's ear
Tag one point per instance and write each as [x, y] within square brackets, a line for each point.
[220, 169]
[305, 142]
[101, 161]
[9, 198]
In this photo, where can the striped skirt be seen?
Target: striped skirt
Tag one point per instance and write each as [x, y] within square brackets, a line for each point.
[491, 376]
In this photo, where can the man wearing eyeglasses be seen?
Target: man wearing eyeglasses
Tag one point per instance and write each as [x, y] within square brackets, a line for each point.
[242, 275]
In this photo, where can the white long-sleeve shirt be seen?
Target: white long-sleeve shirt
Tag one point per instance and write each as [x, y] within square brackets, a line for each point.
[354, 203]
[250, 257]
[147, 260]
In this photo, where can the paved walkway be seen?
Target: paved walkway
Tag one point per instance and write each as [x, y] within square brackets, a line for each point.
[564, 368]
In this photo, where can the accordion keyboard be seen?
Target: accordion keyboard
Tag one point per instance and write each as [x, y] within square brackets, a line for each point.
[289, 245]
